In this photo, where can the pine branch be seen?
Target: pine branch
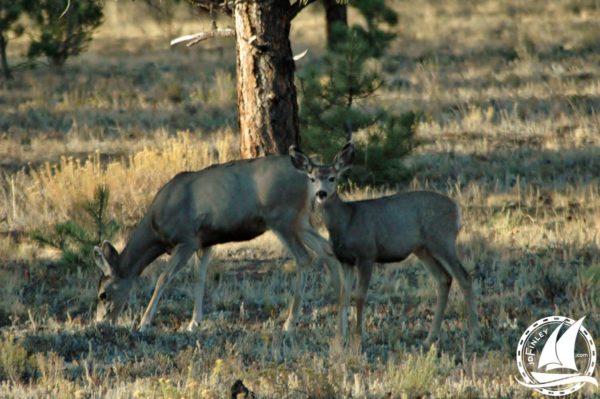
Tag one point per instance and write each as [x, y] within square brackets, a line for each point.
[210, 6]
[73, 231]
[298, 6]
[45, 239]
[201, 36]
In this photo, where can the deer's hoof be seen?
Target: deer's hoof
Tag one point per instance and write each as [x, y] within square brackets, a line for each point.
[429, 341]
[289, 326]
[355, 341]
[474, 339]
[193, 326]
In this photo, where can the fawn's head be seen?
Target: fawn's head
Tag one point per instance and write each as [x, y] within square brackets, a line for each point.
[323, 178]
[113, 289]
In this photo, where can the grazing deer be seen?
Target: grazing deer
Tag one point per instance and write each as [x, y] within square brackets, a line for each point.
[386, 230]
[236, 201]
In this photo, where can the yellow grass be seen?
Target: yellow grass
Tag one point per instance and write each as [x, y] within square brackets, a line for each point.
[47, 194]
[510, 90]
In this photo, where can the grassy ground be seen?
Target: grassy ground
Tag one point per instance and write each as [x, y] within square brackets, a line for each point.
[510, 90]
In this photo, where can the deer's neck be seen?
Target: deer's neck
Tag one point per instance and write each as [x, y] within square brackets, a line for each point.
[336, 215]
[142, 248]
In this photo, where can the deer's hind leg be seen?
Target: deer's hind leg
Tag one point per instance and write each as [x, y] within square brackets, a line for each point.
[446, 255]
[444, 281]
[322, 248]
[201, 266]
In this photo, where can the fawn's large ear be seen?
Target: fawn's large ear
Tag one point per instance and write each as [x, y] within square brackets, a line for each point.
[343, 160]
[300, 160]
[106, 257]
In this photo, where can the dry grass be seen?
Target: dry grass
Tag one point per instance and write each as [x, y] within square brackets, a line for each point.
[43, 195]
[511, 133]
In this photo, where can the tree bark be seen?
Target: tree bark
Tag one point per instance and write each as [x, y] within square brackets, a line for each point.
[334, 13]
[267, 103]
[4, 60]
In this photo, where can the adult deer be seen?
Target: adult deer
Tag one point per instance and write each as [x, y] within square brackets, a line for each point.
[236, 201]
[388, 229]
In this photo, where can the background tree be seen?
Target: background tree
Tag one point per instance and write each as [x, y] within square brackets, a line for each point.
[268, 108]
[267, 96]
[335, 100]
[62, 29]
[335, 13]
[10, 13]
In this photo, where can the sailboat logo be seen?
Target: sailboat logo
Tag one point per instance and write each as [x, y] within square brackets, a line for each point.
[556, 356]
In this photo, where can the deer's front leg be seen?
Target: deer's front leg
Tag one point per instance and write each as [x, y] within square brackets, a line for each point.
[325, 255]
[365, 269]
[294, 309]
[345, 292]
[179, 258]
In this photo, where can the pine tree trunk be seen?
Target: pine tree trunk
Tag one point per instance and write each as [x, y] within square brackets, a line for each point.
[266, 92]
[4, 60]
[334, 13]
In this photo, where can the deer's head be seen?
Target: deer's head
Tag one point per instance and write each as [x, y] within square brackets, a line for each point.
[323, 178]
[113, 289]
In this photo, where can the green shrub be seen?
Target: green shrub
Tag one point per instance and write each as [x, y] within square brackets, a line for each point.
[376, 14]
[75, 239]
[62, 29]
[379, 158]
[335, 103]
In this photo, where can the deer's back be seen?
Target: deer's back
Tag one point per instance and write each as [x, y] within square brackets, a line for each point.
[389, 228]
[236, 201]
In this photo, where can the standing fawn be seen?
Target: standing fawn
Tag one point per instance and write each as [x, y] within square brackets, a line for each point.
[236, 201]
[389, 229]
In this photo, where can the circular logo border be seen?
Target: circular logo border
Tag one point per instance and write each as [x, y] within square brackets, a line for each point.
[525, 374]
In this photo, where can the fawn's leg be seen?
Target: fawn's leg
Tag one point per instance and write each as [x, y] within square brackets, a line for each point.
[444, 281]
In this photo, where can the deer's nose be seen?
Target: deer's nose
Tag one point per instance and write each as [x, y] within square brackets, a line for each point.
[321, 194]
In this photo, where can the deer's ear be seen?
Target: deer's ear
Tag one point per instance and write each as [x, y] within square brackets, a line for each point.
[300, 160]
[106, 258]
[110, 253]
[343, 160]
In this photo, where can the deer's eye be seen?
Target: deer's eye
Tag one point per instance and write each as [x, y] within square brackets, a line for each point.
[312, 179]
[332, 178]
[102, 296]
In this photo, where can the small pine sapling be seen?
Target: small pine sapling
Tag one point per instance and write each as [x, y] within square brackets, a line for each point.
[75, 239]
